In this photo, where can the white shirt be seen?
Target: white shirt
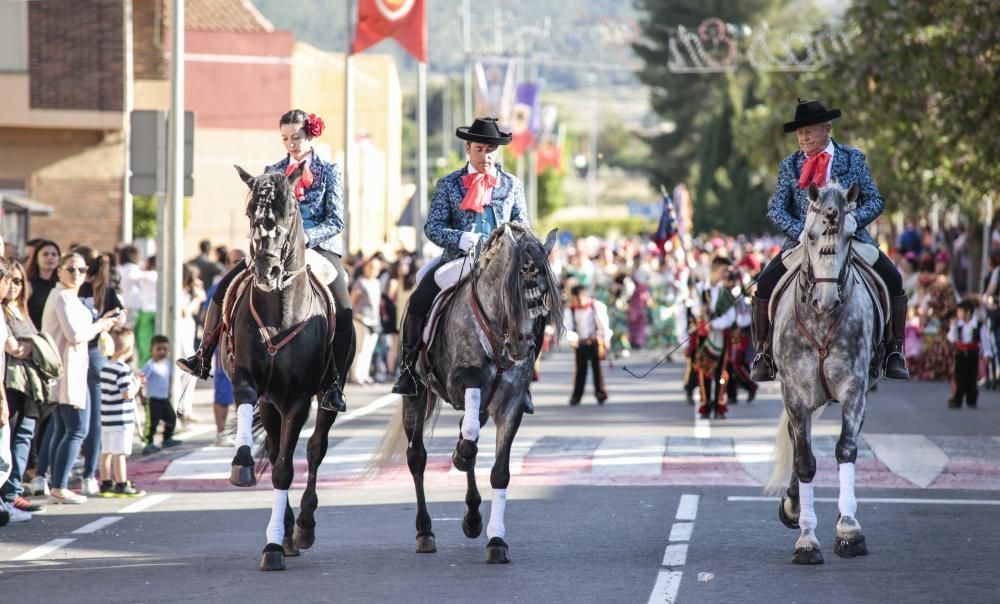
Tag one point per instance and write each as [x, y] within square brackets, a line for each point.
[723, 321]
[587, 322]
[964, 332]
[131, 276]
[147, 291]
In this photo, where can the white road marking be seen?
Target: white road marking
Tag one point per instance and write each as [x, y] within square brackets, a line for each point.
[43, 550]
[668, 581]
[487, 454]
[702, 427]
[371, 407]
[675, 555]
[911, 456]
[97, 525]
[143, 504]
[349, 457]
[629, 456]
[688, 507]
[902, 500]
[209, 463]
[681, 531]
[665, 590]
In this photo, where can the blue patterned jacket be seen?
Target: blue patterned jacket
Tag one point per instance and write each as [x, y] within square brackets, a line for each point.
[446, 222]
[788, 207]
[323, 206]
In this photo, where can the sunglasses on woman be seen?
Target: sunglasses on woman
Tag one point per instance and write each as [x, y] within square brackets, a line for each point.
[73, 270]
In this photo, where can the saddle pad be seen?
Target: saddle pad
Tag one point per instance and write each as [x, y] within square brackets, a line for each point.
[320, 266]
[452, 272]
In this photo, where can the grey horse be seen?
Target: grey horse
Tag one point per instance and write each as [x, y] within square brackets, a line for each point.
[481, 361]
[827, 328]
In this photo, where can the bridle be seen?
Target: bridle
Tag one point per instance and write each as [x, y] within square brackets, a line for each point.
[264, 210]
[823, 349]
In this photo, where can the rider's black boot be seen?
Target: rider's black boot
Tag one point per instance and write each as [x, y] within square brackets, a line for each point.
[333, 398]
[200, 363]
[895, 363]
[763, 365]
[408, 384]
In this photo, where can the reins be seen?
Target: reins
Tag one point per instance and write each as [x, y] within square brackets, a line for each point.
[823, 350]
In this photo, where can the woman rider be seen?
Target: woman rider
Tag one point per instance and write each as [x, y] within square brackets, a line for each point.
[319, 195]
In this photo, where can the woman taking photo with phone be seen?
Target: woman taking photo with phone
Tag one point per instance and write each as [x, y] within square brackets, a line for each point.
[71, 325]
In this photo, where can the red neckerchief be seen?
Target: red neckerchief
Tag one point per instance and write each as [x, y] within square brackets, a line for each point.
[814, 170]
[476, 186]
[307, 177]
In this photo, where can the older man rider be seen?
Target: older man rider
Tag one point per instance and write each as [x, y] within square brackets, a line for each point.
[820, 160]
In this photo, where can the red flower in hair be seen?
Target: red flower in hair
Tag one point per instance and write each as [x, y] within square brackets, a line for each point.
[314, 125]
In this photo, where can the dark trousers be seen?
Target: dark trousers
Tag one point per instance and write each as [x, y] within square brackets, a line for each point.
[964, 385]
[423, 296]
[588, 353]
[157, 410]
[775, 270]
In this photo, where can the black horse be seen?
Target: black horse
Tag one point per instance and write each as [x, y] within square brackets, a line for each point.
[277, 350]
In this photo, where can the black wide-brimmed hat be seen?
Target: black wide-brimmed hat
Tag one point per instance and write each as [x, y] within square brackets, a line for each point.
[484, 130]
[808, 113]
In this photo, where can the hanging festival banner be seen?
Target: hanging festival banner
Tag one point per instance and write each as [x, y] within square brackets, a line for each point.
[404, 20]
[525, 118]
[495, 89]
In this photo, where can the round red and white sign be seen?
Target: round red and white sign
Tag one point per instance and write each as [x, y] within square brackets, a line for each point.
[394, 10]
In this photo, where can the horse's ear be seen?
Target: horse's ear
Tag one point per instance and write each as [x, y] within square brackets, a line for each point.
[852, 194]
[293, 178]
[813, 192]
[550, 241]
[245, 176]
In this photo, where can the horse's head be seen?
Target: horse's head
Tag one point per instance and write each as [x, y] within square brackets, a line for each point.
[275, 225]
[528, 291]
[826, 240]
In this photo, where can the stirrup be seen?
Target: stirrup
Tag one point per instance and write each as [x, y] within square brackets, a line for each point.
[904, 372]
[195, 365]
[408, 384]
[762, 368]
[333, 398]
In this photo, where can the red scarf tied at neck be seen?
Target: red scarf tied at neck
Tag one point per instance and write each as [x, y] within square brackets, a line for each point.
[305, 182]
[814, 170]
[476, 186]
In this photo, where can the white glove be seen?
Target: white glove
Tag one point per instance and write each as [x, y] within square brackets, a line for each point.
[468, 241]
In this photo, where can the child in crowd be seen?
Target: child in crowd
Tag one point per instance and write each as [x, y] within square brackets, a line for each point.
[118, 390]
[968, 334]
[159, 372]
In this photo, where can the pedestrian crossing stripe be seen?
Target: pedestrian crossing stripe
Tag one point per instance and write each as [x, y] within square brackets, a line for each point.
[884, 460]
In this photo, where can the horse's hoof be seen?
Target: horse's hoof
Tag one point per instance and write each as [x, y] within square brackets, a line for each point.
[807, 555]
[273, 557]
[850, 548]
[303, 538]
[289, 547]
[242, 476]
[425, 544]
[496, 552]
[472, 529]
[785, 518]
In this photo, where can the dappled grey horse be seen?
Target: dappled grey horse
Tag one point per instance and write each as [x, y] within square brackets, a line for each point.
[827, 327]
[481, 361]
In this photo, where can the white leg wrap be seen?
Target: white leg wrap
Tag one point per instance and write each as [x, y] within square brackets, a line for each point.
[846, 502]
[470, 423]
[807, 511]
[495, 528]
[276, 526]
[244, 425]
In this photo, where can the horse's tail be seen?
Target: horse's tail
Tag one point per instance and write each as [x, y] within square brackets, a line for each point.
[392, 449]
[783, 454]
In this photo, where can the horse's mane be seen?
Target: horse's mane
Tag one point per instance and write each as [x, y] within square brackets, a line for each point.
[513, 295]
[272, 188]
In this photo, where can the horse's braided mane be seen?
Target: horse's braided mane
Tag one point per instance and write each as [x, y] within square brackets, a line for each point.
[513, 296]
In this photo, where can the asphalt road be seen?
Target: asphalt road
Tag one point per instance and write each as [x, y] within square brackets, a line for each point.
[632, 501]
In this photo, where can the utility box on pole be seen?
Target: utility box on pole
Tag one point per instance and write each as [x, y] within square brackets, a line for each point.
[149, 153]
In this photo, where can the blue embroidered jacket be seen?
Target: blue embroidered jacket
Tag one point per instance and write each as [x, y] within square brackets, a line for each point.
[323, 205]
[787, 208]
[446, 221]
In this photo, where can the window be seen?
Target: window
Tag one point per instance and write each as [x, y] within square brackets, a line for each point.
[13, 35]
